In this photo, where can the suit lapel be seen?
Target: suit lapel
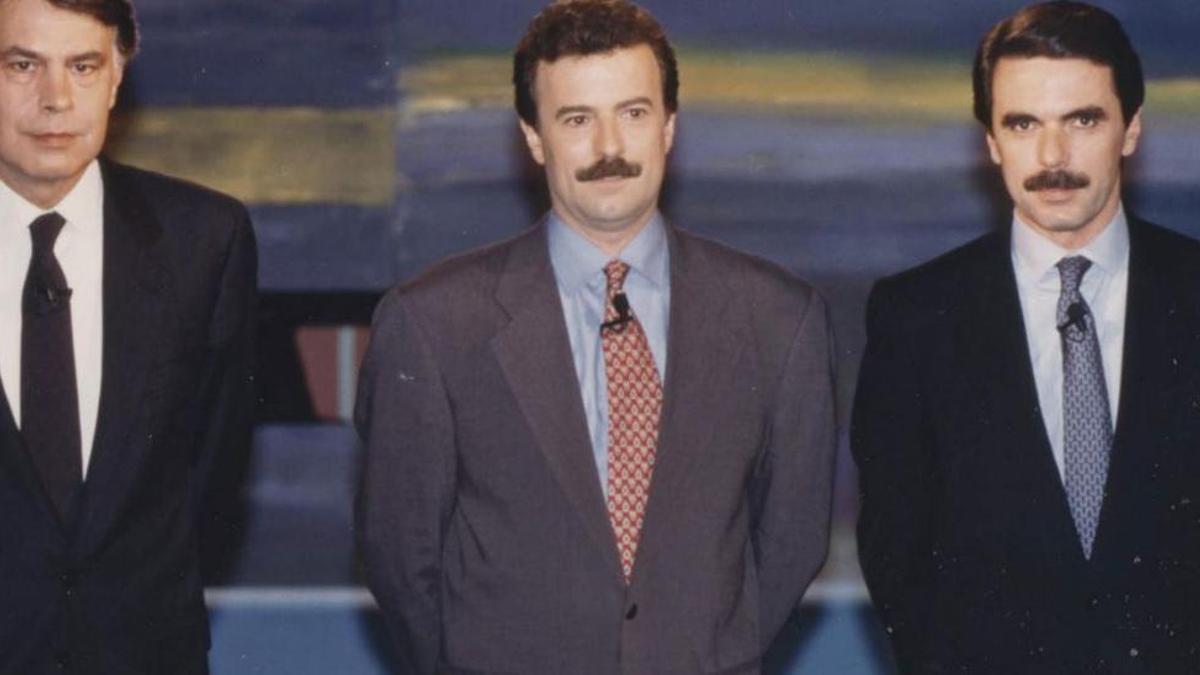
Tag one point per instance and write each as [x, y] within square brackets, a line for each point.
[135, 283]
[999, 378]
[15, 457]
[534, 352]
[702, 354]
[1151, 346]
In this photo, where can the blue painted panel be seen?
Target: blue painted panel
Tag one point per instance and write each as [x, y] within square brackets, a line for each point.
[325, 248]
[1163, 30]
[289, 52]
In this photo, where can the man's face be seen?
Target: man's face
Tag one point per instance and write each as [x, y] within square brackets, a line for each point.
[59, 79]
[603, 135]
[1058, 136]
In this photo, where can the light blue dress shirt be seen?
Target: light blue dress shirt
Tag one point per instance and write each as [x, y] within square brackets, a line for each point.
[579, 271]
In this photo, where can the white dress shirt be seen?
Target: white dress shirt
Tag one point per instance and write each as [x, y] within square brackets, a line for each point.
[80, 251]
[1104, 288]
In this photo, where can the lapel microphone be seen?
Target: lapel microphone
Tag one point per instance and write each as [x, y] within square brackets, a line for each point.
[42, 300]
[1075, 317]
[621, 304]
[56, 296]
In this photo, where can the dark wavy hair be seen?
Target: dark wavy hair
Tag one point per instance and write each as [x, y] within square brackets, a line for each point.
[112, 13]
[584, 27]
[1062, 29]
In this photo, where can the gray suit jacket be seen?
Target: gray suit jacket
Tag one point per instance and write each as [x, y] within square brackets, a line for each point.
[480, 513]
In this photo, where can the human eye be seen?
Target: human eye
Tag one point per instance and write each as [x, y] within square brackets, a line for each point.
[21, 65]
[574, 121]
[1019, 124]
[637, 113]
[85, 69]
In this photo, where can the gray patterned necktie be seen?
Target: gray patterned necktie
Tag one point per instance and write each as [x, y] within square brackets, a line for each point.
[1087, 422]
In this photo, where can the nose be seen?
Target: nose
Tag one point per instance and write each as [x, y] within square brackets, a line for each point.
[54, 94]
[608, 139]
[1053, 148]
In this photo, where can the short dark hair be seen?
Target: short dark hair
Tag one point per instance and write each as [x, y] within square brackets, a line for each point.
[112, 13]
[582, 28]
[1061, 29]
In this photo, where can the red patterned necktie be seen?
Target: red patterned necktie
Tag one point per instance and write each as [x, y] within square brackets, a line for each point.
[634, 407]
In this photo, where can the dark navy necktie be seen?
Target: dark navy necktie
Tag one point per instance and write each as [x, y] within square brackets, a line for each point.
[49, 398]
[1087, 421]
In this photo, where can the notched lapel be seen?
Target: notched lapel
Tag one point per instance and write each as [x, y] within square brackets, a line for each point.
[999, 376]
[136, 281]
[702, 354]
[1156, 341]
[534, 352]
[14, 454]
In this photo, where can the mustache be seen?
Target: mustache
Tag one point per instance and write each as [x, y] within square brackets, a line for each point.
[1060, 179]
[609, 167]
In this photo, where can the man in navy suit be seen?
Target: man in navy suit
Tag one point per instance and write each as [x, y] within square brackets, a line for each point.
[126, 304]
[1027, 422]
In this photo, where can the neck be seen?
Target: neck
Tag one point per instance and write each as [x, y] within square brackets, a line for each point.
[613, 241]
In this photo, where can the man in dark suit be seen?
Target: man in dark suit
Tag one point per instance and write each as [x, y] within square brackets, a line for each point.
[605, 445]
[1028, 413]
[125, 320]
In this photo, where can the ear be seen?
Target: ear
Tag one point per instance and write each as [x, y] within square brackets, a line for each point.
[1133, 132]
[993, 147]
[669, 133]
[534, 141]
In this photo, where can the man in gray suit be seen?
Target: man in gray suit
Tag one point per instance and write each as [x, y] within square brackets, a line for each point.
[605, 445]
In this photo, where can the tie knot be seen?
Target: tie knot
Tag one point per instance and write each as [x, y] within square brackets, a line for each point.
[1071, 271]
[616, 271]
[44, 231]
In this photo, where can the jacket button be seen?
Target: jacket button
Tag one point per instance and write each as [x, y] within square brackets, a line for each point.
[631, 613]
[68, 583]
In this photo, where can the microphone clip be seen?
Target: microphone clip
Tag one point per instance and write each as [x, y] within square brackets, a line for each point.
[42, 300]
[624, 315]
[1077, 314]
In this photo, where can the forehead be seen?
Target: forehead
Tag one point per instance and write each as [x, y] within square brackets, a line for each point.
[595, 79]
[40, 26]
[1046, 84]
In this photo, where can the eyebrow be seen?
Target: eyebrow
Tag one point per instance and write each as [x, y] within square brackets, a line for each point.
[571, 110]
[20, 51]
[1012, 119]
[93, 55]
[575, 109]
[1087, 111]
[640, 100]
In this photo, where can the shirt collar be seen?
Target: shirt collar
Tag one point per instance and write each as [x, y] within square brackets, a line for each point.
[576, 261]
[82, 207]
[1038, 255]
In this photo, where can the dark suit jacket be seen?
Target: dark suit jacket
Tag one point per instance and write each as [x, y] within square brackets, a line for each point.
[117, 590]
[481, 517]
[966, 538]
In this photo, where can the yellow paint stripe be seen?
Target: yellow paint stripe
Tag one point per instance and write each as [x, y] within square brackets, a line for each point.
[268, 155]
[876, 88]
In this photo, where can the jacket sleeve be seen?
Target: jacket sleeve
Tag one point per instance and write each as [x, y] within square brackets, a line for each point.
[892, 446]
[406, 489]
[791, 488]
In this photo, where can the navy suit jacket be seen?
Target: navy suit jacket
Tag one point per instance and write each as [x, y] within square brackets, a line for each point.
[117, 589]
[965, 536]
